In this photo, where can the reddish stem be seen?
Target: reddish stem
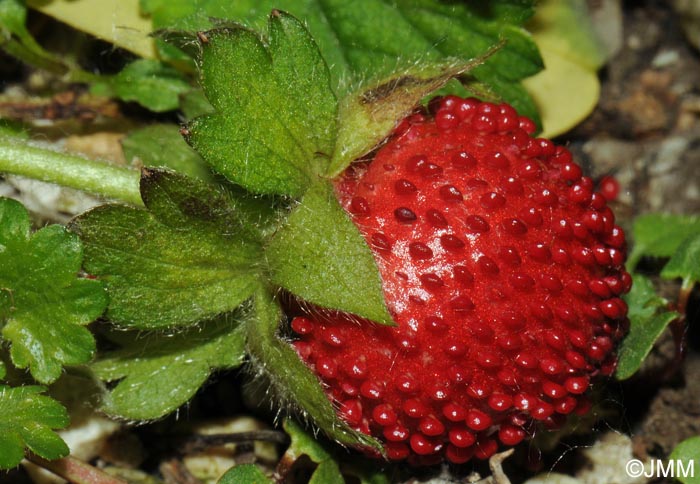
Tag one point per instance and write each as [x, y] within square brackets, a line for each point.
[75, 471]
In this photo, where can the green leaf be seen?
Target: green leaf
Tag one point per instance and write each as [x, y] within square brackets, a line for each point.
[245, 474]
[194, 103]
[326, 472]
[27, 419]
[687, 454]
[368, 39]
[685, 262]
[566, 27]
[16, 40]
[148, 82]
[159, 373]
[303, 443]
[648, 319]
[162, 145]
[13, 18]
[290, 379]
[366, 117]
[179, 201]
[572, 52]
[660, 235]
[188, 257]
[321, 257]
[367, 474]
[117, 21]
[49, 305]
[274, 127]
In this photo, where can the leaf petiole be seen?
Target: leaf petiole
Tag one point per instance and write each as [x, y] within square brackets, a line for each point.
[75, 470]
[22, 158]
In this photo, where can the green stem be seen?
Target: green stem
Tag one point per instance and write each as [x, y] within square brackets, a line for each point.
[33, 57]
[21, 158]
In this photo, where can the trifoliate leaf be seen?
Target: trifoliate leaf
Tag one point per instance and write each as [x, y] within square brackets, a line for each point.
[648, 318]
[290, 379]
[148, 82]
[274, 126]
[117, 21]
[27, 419]
[245, 474]
[321, 257]
[370, 39]
[187, 258]
[48, 304]
[162, 145]
[158, 373]
[687, 455]
[367, 116]
[660, 235]
[685, 263]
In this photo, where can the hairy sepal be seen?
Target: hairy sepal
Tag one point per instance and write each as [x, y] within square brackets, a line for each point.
[190, 255]
[274, 123]
[290, 379]
[321, 257]
[368, 115]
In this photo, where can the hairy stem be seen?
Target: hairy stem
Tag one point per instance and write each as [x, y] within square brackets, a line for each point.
[75, 471]
[21, 158]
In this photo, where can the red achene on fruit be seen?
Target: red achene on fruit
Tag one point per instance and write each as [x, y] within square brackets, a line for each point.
[503, 271]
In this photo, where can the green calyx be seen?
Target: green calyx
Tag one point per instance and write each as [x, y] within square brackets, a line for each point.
[209, 252]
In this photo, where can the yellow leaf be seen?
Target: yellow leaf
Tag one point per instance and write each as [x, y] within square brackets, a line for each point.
[565, 92]
[117, 21]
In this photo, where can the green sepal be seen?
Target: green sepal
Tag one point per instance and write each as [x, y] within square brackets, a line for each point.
[158, 373]
[179, 201]
[290, 379]
[188, 257]
[367, 116]
[321, 257]
[27, 419]
[274, 127]
[648, 319]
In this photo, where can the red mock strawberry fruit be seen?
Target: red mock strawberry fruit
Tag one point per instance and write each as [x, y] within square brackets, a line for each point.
[503, 271]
